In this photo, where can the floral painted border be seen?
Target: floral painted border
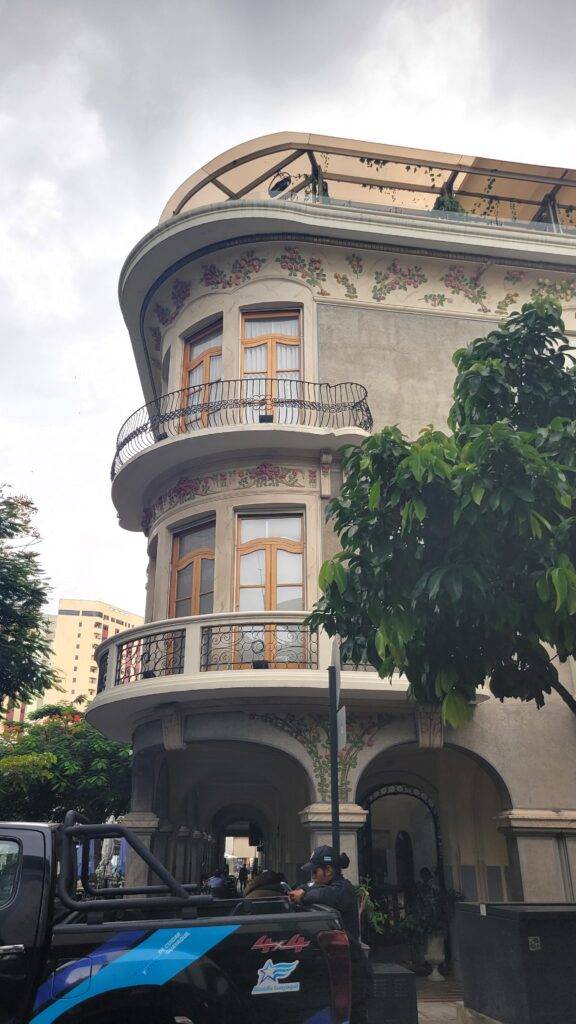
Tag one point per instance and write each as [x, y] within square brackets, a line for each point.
[456, 287]
[264, 475]
[312, 732]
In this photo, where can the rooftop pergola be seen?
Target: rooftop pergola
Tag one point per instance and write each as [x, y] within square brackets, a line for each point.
[292, 165]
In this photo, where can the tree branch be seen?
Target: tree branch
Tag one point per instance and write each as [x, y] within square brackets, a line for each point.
[565, 694]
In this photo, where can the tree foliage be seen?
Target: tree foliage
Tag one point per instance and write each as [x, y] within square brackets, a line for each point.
[57, 760]
[459, 549]
[25, 670]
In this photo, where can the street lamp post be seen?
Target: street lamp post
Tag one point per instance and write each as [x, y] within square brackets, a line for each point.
[337, 729]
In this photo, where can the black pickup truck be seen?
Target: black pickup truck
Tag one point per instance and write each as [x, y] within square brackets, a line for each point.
[160, 954]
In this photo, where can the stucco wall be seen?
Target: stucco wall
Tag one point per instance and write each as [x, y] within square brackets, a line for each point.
[403, 359]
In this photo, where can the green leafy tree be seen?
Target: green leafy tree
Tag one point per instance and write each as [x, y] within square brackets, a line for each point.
[57, 760]
[458, 553]
[25, 670]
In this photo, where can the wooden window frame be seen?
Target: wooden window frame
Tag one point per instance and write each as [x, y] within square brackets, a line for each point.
[271, 340]
[178, 564]
[271, 547]
[189, 364]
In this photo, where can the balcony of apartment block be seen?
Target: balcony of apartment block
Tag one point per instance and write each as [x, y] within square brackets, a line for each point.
[232, 416]
[225, 659]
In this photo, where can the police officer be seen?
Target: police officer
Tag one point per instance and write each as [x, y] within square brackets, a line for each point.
[331, 889]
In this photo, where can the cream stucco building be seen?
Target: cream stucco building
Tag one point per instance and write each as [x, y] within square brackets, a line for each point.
[299, 292]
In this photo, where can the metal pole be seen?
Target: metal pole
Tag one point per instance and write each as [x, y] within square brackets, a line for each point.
[333, 712]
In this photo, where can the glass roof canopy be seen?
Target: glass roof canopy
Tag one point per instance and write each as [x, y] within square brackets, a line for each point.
[298, 166]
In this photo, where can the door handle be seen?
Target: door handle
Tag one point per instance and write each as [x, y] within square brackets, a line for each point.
[11, 950]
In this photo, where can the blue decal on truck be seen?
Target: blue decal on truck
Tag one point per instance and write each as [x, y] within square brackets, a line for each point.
[154, 961]
[73, 973]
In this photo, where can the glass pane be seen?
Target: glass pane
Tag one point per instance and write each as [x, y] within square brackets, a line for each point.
[207, 575]
[184, 582]
[215, 367]
[211, 340]
[255, 359]
[289, 567]
[257, 527]
[206, 603]
[202, 536]
[253, 568]
[289, 598]
[251, 599]
[289, 527]
[255, 327]
[9, 859]
[196, 376]
[287, 357]
[182, 608]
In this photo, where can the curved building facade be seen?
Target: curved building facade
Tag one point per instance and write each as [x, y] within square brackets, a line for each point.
[298, 293]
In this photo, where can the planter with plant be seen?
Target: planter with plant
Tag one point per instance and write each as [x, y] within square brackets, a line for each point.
[427, 923]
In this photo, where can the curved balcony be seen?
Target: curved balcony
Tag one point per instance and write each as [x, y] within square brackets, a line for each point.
[241, 403]
[231, 659]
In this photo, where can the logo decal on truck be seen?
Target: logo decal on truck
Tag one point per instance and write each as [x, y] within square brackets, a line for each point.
[271, 976]
[267, 945]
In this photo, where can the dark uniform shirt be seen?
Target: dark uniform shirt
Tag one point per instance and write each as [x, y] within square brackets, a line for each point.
[340, 894]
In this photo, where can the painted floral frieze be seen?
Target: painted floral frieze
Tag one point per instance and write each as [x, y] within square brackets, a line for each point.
[457, 281]
[312, 732]
[264, 475]
[243, 269]
[373, 277]
[269, 475]
[179, 293]
[396, 277]
[309, 269]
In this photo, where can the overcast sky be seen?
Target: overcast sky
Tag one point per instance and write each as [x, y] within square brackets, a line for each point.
[107, 105]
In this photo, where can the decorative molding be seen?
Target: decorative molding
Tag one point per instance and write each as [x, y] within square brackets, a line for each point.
[173, 728]
[262, 476]
[312, 732]
[243, 269]
[532, 821]
[325, 475]
[429, 728]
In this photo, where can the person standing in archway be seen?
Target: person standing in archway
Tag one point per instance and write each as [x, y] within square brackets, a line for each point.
[330, 888]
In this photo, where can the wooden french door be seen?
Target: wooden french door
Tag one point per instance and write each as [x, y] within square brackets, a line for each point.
[271, 366]
[202, 379]
[270, 576]
[192, 577]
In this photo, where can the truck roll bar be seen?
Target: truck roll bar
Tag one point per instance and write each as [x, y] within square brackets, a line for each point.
[75, 826]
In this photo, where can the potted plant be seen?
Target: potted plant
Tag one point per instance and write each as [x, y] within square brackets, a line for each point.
[371, 913]
[427, 922]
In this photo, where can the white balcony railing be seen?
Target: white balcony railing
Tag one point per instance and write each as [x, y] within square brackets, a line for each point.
[219, 642]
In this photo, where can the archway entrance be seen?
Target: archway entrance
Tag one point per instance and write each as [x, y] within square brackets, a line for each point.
[447, 802]
[239, 790]
[401, 844]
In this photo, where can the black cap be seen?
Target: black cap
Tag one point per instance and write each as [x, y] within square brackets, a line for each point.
[323, 857]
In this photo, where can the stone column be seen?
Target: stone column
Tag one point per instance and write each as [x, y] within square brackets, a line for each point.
[144, 824]
[545, 841]
[317, 820]
[141, 819]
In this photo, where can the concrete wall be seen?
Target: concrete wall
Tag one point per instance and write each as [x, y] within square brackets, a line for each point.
[404, 359]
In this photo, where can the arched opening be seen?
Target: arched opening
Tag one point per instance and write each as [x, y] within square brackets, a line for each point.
[447, 802]
[239, 790]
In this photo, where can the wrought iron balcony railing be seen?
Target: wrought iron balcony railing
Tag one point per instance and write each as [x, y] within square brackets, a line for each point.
[239, 402]
[258, 645]
[194, 644]
[147, 657]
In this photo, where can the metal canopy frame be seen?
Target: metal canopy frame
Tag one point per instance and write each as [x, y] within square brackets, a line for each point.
[543, 192]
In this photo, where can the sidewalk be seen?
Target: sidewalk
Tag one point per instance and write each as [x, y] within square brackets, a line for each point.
[436, 1013]
[437, 1001]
